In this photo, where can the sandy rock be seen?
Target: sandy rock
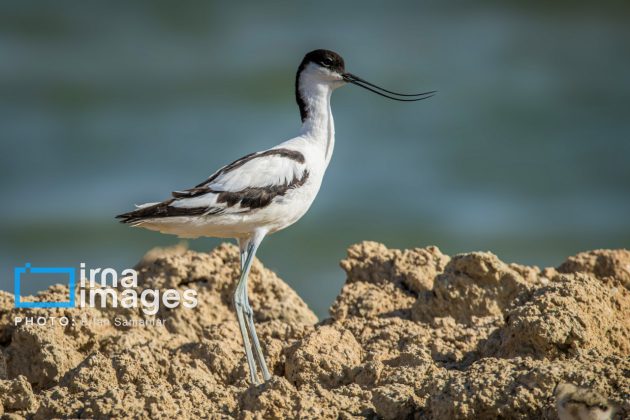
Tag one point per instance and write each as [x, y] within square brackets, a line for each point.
[451, 342]
[3, 365]
[193, 365]
[385, 282]
[383, 338]
[274, 399]
[13, 416]
[369, 262]
[574, 314]
[369, 373]
[16, 395]
[492, 387]
[277, 337]
[418, 267]
[413, 334]
[372, 262]
[523, 388]
[327, 356]
[386, 338]
[6, 316]
[347, 401]
[602, 263]
[474, 285]
[370, 300]
[41, 354]
[222, 357]
[394, 401]
[95, 374]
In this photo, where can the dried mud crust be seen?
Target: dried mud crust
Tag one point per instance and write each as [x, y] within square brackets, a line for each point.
[413, 334]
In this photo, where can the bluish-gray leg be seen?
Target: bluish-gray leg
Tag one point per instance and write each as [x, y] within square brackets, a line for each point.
[248, 251]
[239, 305]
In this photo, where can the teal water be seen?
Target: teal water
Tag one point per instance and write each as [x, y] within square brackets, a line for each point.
[525, 151]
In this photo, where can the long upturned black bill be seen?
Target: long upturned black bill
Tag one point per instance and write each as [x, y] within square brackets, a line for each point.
[406, 97]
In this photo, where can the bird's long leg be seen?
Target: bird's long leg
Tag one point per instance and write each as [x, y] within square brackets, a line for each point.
[249, 251]
[239, 305]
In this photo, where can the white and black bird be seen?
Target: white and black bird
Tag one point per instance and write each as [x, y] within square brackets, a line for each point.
[263, 192]
[575, 403]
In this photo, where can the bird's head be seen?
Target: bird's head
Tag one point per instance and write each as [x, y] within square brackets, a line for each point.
[327, 68]
[323, 66]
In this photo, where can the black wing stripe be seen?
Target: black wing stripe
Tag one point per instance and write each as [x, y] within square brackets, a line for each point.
[250, 198]
[163, 209]
[259, 197]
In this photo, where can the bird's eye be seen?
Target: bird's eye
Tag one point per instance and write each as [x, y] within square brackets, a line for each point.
[327, 62]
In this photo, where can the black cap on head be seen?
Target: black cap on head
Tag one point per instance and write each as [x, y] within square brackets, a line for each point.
[325, 58]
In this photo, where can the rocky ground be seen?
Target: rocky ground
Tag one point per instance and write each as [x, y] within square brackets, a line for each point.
[413, 334]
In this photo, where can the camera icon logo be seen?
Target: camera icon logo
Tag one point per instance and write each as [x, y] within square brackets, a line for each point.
[18, 274]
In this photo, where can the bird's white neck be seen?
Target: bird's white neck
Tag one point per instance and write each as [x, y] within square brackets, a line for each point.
[318, 125]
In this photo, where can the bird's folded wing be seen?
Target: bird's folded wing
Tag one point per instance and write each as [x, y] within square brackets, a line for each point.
[246, 184]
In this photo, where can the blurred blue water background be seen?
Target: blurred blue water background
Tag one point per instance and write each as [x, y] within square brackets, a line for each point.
[525, 151]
